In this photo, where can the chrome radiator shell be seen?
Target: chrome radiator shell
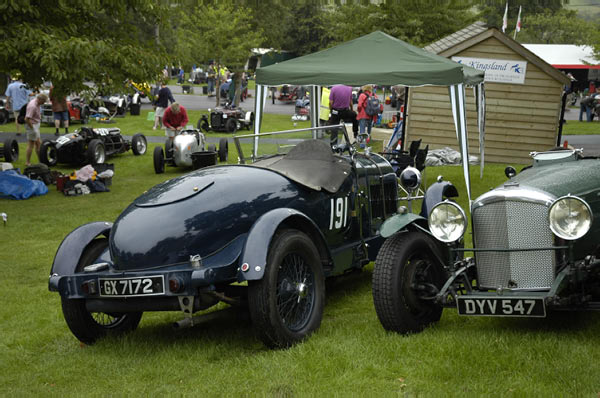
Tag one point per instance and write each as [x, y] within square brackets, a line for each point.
[513, 218]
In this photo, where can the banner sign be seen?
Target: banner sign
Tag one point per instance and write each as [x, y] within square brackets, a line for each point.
[497, 70]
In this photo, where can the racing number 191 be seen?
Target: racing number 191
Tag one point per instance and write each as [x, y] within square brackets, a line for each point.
[339, 213]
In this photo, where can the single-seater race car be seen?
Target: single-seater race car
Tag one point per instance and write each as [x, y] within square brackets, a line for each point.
[88, 145]
[185, 147]
[79, 111]
[535, 246]
[227, 118]
[262, 235]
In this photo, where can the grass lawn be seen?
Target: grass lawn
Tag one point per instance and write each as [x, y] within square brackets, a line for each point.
[350, 355]
[574, 127]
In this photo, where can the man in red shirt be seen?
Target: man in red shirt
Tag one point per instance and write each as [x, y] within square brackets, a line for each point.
[175, 119]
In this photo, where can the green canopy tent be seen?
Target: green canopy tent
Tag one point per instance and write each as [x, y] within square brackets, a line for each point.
[377, 58]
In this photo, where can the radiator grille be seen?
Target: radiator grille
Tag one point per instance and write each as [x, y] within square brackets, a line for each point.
[513, 224]
[215, 120]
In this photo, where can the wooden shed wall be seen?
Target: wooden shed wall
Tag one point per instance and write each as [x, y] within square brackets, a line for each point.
[520, 118]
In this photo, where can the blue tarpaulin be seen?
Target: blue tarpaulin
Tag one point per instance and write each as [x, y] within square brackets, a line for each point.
[17, 186]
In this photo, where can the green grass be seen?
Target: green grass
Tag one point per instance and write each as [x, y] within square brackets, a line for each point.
[350, 355]
[574, 127]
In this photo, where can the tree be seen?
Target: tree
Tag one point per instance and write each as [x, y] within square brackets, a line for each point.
[71, 42]
[307, 29]
[222, 32]
[493, 10]
[561, 27]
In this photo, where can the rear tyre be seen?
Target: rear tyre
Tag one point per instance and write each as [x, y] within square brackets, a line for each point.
[223, 150]
[95, 154]
[11, 150]
[87, 326]
[48, 153]
[231, 126]
[286, 305]
[139, 144]
[406, 278]
[3, 116]
[159, 160]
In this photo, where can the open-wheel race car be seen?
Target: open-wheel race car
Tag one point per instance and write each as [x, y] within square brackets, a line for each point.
[88, 145]
[227, 118]
[187, 147]
[535, 245]
[262, 235]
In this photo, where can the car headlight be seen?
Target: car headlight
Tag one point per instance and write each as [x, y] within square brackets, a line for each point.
[410, 179]
[447, 221]
[570, 217]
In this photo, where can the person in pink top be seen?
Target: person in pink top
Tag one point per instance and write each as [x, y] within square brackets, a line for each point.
[33, 118]
[341, 106]
[365, 121]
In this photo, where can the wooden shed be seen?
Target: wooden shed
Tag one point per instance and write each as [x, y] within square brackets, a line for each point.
[523, 98]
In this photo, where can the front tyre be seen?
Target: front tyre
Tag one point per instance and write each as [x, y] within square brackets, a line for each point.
[139, 144]
[406, 278]
[90, 326]
[286, 305]
[159, 160]
[95, 154]
[48, 153]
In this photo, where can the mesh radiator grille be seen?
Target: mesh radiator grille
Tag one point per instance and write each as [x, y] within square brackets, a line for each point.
[513, 224]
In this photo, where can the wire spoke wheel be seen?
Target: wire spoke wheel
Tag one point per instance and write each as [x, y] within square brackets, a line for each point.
[286, 305]
[295, 292]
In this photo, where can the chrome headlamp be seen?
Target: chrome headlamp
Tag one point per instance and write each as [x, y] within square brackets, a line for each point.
[447, 221]
[570, 217]
[410, 179]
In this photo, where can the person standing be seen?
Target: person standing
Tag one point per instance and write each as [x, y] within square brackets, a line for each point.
[181, 78]
[60, 111]
[33, 118]
[365, 120]
[162, 102]
[175, 119]
[211, 78]
[17, 96]
[341, 106]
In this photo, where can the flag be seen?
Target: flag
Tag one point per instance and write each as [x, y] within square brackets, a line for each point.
[505, 19]
[518, 28]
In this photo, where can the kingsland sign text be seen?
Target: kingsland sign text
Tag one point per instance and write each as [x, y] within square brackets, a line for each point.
[497, 70]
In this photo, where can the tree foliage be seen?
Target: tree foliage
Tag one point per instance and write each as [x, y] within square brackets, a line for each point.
[561, 27]
[72, 41]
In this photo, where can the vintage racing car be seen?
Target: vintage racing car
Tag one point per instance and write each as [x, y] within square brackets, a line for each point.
[227, 118]
[263, 236]
[535, 245]
[79, 111]
[184, 147]
[88, 145]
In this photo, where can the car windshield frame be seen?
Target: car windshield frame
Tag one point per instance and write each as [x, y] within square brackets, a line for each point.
[280, 142]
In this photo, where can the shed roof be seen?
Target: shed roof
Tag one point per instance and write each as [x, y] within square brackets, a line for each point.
[478, 32]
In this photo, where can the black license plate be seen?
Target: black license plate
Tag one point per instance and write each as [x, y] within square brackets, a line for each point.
[501, 306]
[132, 287]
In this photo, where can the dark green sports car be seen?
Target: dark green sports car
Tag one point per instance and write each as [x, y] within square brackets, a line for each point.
[535, 248]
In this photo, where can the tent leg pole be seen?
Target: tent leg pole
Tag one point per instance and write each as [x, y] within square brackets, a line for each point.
[404, 114]
[561, 120]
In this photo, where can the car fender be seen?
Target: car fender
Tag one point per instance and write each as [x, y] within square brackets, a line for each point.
[256, 249]
[435, 194]
[400, 221]
[70, 250]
